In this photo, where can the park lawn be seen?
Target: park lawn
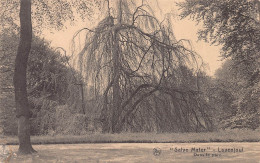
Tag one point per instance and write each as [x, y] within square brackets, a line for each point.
[220, 136]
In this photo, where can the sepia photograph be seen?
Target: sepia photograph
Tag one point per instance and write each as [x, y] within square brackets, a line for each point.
[129, 81]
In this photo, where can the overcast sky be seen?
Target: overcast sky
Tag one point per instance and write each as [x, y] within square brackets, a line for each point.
[183, 29]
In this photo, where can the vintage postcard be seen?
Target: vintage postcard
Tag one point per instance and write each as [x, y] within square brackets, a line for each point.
[130, 81]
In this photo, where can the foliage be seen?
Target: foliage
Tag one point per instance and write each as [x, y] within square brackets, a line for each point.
[237, 103]
[7, 56]
[47, 84]
[47, 14]
[133, 75]
[236, 26]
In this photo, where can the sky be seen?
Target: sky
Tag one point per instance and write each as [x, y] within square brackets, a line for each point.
[183, 29]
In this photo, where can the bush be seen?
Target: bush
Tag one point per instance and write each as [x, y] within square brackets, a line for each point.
[68, 123]
[78, 125]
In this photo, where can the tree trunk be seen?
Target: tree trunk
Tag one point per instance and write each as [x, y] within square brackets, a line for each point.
[116, 69]
[82, 98]
[115, 87]
[21, 99]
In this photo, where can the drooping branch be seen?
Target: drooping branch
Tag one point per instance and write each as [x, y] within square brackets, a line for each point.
[136, 61]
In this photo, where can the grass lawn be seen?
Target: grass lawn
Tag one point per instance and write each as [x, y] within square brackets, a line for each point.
[138, 153]
[220, 136]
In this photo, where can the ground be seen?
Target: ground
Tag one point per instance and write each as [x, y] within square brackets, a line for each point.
[142, 152]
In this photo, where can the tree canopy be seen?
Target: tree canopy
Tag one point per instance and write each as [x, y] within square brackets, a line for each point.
[235, 25]
[131, 58]
[48, 14]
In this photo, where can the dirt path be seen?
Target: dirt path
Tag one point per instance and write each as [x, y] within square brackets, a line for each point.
[146, 152]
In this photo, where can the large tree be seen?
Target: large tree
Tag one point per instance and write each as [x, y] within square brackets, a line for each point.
[133, 59]
[20, 86]
[235, 25]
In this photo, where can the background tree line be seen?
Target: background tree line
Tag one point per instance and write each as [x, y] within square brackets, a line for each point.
[236, 26]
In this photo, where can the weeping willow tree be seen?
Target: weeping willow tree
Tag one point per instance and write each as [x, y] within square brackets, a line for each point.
[145, 76]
